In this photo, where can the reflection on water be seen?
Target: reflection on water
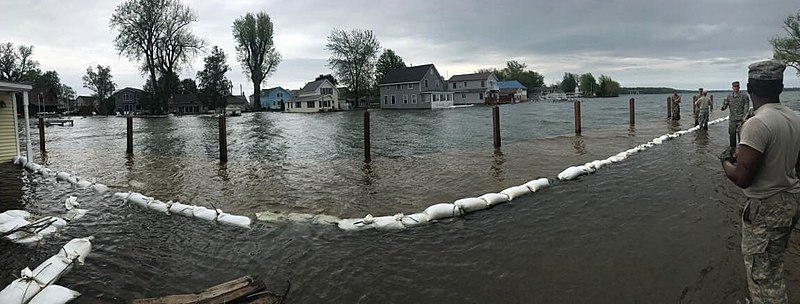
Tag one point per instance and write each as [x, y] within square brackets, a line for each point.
[498, 159]
[578, 145]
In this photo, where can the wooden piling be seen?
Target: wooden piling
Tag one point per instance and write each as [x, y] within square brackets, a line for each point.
[632, 111]
[129, 150]
[669, 107]
[496, 125]
[223, 140]
[367, 156]
[577, 117]
[41, 134]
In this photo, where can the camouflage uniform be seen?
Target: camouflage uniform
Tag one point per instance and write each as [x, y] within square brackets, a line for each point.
[739, 104]
[766, 227]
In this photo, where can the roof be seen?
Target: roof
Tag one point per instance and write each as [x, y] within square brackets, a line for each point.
[409, 74]
[127, 89]
[467, 77]
[236, 99]
[184, 99]
[510, 84]
[312, 86]
[307, 98]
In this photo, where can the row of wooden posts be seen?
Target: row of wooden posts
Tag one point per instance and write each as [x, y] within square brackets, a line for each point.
[223, 139]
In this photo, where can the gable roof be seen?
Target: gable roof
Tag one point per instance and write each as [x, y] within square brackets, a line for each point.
[127, 89]
[408, 74]
[312, 86]
[468, 77]
[510, 84]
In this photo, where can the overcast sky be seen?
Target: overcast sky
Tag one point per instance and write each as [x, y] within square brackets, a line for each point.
[681, 43]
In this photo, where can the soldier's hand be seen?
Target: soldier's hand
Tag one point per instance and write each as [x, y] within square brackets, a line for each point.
[723, 108]
[727, 155]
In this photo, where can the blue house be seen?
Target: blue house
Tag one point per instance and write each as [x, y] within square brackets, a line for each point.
[512, 91]
[275, 99]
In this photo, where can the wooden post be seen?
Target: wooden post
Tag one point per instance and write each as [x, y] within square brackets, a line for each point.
[496, 125]
[129, 150]
[669, 107]
[41, 134]
[577, 117]
[223, 140]
[631, 111]
[367, 156]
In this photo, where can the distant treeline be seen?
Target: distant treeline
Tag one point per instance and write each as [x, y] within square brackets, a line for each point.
[646, 90]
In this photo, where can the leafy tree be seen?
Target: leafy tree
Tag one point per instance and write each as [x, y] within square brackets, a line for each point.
[515, 70]
[588, 84]
[67, 94]
[353, 56]
[329, 77]
[787, 48]
[386, 62]
[16, 62]
[187, 86]
[156, 34]
[102, 85]
[569, 82]
[608, 87]
[214, 86]
[255, 48]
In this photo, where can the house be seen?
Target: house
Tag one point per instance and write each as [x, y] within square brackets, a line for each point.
[9, 137]
[43, 100]
[127, 100]
[315, 96]
[236, 104]
[87, 105]
[476, 88]
[183, 104]
[419, 87]
[275, 99]
[512, 91]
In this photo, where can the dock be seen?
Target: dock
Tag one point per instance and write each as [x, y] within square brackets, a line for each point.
[55, 121]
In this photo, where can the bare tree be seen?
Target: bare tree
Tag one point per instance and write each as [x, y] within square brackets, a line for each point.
[101, 84]
[353, 56]
[255, 49]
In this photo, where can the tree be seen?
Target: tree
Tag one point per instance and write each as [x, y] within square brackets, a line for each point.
[515, 70]
[187, 86]
[156, 34]
[588, 84]
[787, 48]
[329, 77]
[255, 48]
[608, 87]
[67, 94]
[16, 62]
[386, 62]
[214, 86]
[102, 85]
[569, 82]
[353, 56]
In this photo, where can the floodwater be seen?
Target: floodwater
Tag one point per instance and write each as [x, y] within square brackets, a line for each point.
[660, 227]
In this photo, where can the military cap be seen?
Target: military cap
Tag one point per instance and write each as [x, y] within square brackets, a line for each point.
[766, 70]
[736, 83]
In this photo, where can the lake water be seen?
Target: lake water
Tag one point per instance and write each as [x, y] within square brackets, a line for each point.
[660, 227]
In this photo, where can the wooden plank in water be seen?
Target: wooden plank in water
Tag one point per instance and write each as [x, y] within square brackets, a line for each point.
[248, 289]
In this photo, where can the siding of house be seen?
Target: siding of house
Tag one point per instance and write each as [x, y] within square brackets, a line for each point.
[317, 99]
[412, 95]
[473, 91]
[8, 142]
[274, 99]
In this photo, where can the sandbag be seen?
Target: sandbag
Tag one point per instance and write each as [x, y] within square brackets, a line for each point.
[100, 188]
[181, 209]
[471, 204]
[516, 191]
[20, 290]
[79, 247]
[71, 202]
[63, 175]
[538, 184]
[55, 294]
[18, 213]
[389, 222]
[206, 214]
[442, 210]
[75, 214]
[323, 219]
[52, 269]
[572, 173]
[234, 220]
[13, 223]
[24, 237]
[23, 160]
[416, 219]
[47, 172]
[494, 198]
[16, 159]
[299, 217]
[159, 206]
[356, 224]
[84, 183]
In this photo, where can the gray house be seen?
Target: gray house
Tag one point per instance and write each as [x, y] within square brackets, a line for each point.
[477, 88]
[128, 100]
[419, 87]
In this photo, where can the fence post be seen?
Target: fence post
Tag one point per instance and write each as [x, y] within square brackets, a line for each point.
[41, 134]
[632, 111]
[223, 140]
[129, 150]
[367, 156]
[669, 107]
[577, 117]
[496, 125]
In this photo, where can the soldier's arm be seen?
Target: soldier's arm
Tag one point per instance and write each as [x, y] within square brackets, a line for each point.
[748, 161]
[724, 104]
[797, 166]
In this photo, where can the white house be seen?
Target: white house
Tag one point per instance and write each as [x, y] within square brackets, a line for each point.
[9, 138]
[477, 88]
[316, 96]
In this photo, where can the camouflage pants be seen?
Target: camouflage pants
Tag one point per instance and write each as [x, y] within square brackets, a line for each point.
[735, 131]
[702, 118]
[766, 227]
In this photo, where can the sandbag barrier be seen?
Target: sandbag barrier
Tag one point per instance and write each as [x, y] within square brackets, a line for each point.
[169, 207]
[37, 285]
[19, 227]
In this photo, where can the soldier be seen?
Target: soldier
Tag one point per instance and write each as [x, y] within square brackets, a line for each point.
[694, 104]
[766, 168]
[739, 104]
[676, 105]
[703, 105]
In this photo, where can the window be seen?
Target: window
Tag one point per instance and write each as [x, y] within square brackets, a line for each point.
[392, 99]
[454, 85]
[431, 71]
[463, 96]
[437, 83]
[483, 82]
[426, 83]
[410, 85]
[491, 84]
[480, 96]
[465, 84]
[435, 97]
[298, 105]
[326, 91]
[449, 96]
[414, 99]
[405, 99]
[385, 99]
[310, 104]
[397, 87]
